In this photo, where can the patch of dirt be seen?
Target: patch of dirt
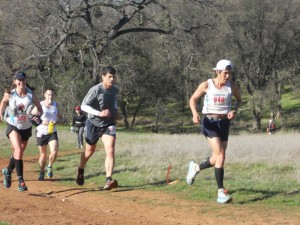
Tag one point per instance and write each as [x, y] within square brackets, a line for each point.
[49, 202]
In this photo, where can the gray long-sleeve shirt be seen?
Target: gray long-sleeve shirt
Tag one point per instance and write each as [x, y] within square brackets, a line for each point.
[98, 99]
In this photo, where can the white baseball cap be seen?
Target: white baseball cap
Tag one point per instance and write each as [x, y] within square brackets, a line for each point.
[224, 64]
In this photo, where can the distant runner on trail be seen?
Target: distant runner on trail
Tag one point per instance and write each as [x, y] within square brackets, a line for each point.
[271, 127]
[101, 105]
[78, 125]
[216, 122]
[19, 101]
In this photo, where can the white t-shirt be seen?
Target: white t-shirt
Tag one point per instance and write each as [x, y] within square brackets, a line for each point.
[49, 114]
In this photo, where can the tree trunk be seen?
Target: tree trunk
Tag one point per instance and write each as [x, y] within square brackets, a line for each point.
[137, 109]
[257, 119]
[123, 106]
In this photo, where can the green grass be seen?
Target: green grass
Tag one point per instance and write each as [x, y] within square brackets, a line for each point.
[261, 171]
[142, 161]
[4, 223]
[290, 101]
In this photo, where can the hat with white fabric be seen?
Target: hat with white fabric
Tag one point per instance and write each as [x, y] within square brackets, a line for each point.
[224, 64]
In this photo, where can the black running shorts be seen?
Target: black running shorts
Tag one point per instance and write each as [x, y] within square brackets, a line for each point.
[45, 139]
[25, 134]
[93, 133]
[216, 128]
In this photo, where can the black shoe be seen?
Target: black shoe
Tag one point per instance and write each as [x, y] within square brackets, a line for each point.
[7, 178]
[22, 186]
[80, 177]
[41, 176]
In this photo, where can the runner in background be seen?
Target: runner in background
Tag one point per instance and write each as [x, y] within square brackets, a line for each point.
[78, 124]
[46, 133]
[271, 127]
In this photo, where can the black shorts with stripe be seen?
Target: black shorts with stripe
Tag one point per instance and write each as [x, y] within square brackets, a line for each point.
[216, 128]
[93, 133]
[45, 139]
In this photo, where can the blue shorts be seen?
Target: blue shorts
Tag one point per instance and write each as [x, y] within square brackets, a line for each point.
[93, 133]
[216, 128]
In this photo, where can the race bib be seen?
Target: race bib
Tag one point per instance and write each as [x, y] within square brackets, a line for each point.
[21, 118]
[219, 99]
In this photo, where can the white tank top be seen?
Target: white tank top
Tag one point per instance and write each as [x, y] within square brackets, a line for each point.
[217, 101]
[49, 113]
[19, 109]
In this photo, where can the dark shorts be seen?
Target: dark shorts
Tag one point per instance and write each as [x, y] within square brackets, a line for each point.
[216, 128]
[93, 133]
[45, 139]
[25, 134]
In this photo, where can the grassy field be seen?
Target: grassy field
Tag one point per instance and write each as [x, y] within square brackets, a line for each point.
[259, 168]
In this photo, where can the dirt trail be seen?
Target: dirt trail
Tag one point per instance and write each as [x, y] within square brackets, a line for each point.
[49, 202]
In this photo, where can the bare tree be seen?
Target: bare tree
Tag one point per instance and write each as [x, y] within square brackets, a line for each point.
[266, 38]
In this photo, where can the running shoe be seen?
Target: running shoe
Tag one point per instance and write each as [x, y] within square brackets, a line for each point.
[191, 173]
[22, 186]
[7, 178]
[49, 172]
[223, 197]
[41, 176]
[80, 177]
[110, 184]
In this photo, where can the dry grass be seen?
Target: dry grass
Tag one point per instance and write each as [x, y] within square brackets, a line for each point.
[157, 151]
[278, 149]
[283, 149]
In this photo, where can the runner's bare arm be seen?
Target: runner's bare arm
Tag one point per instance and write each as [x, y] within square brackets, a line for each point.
[3, 104]
[200, 91]
[236, 93]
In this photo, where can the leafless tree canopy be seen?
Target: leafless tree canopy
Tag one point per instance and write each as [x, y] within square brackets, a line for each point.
[161, 49]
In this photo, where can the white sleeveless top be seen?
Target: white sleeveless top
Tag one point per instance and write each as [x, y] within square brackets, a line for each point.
[217, 101]
[19, 109]
[49, 114]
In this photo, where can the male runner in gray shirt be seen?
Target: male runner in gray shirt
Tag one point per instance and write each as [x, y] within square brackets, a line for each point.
[101, 105]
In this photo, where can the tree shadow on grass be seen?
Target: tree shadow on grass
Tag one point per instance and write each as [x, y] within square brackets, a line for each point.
[74, 191]
[69, 192]
[89, 176]
[255, 195]
[86, 177]
[121, 188]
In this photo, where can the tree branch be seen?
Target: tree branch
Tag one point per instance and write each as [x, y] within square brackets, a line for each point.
[149, 30]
